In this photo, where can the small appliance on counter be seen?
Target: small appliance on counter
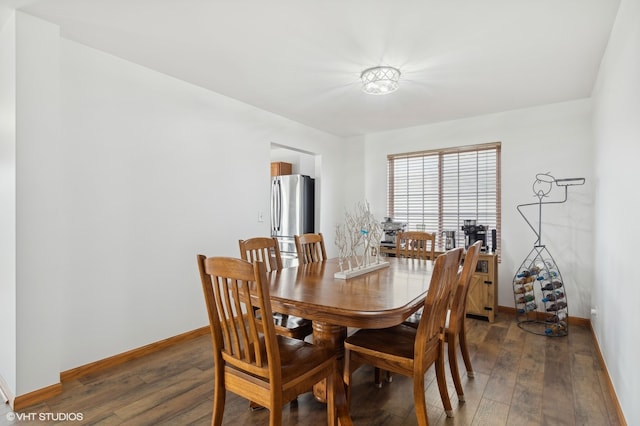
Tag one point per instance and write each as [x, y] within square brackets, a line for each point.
[449, 239]
[391, 229]
[473, 233]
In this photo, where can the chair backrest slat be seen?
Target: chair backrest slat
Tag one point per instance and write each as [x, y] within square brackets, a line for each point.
[221, 300]
[239, 303]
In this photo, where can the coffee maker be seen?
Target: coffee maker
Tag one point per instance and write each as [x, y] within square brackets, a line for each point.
[391, 229]
[473, 233]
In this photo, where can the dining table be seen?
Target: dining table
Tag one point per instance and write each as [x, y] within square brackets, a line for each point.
[381, 298]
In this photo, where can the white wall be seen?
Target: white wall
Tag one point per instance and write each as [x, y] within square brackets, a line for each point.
[158, 170]
[38, 237]
[8, 202]
[617, 134]
[148, 171]
[553, 138]
[355, 166]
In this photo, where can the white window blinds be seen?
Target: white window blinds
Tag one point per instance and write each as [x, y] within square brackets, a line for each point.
[437, 190]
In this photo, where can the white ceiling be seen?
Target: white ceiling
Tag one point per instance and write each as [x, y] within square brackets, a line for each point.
[302, 59]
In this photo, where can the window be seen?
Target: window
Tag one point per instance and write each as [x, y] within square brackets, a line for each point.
[438, 190]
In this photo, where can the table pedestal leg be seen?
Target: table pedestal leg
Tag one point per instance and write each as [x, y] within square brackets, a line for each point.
[328, 336]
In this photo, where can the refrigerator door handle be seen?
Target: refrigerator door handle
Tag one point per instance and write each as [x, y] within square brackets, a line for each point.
[279, 205]
[275, 206]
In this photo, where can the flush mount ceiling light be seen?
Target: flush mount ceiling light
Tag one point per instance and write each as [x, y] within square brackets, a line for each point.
[380, 80]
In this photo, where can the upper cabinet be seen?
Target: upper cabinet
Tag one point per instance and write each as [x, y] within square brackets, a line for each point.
[280, 168]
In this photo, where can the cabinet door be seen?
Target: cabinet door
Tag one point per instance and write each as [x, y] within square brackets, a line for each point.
[477, 297]
[482, 298]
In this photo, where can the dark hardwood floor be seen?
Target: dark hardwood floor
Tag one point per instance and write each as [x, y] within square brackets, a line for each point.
[521, 378]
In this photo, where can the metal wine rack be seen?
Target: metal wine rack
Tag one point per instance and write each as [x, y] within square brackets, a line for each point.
[538, 288]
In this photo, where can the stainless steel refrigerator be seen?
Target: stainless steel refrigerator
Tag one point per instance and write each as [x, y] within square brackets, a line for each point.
[292, 211]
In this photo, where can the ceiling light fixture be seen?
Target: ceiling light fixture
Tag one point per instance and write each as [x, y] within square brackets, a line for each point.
[380, 80]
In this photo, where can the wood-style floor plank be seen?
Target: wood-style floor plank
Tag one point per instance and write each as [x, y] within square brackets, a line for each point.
[520, 378]
[526, 404]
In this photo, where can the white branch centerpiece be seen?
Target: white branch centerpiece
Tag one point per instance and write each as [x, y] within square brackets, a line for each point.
[358, 241]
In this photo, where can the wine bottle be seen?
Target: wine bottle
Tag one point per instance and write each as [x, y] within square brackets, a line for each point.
[525, 280]
[526, 298]
[556, 306]
[523, 289]
[556, 328]
[560, 316]
[552, 285]
[524, 273]
[550, 297]
[531, 306]
[547, 275]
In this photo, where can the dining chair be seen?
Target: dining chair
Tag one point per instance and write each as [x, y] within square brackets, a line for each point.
[310, 248]
[267, 250]
[416, 244]
[250, 359]
[408, 350]
[454, 329]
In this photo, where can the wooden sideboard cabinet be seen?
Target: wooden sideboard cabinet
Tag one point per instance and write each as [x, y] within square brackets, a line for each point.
[482, 300]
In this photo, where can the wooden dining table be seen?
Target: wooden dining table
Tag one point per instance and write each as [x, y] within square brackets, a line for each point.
[382, 298]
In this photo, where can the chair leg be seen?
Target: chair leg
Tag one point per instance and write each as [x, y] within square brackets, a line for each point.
[419, 400]
[465, 352]
[332, 379]
[340, 401]
[346, 378]
[377, 379]
[453, 366]
[275, 409]
[275, 416]
[442, 382]
[219, 394]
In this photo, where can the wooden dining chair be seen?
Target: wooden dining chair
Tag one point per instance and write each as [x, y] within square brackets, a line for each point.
[310, 248]
[454, 329]
[416, 244]
[250, 359]
[267, 250]
[263, 249]
[407, 350]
